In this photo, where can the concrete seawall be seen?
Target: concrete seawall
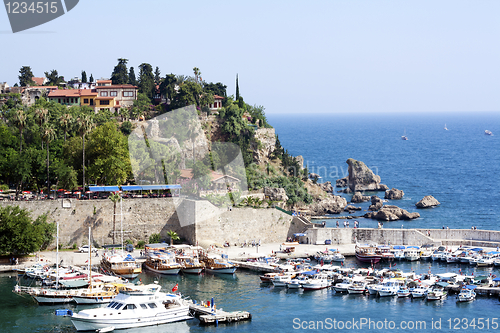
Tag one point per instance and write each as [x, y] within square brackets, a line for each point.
[481, 238]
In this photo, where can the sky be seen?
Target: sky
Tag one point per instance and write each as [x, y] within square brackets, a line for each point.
[292, 56]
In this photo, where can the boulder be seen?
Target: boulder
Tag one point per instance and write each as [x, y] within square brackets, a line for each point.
[377, 203]
[351, 208]
[361, 178]
[275, 194]
[333, 204]
[392, 213]
[358, 197]
[394, 194]
[327, 187]
[427, 201]
[342, 182]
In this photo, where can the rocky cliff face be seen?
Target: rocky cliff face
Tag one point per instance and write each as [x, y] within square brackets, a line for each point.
[332, 204]
[392, 213]
[275, 194]
[267, 138]
[361, 178]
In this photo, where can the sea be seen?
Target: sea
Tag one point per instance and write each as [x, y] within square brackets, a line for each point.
[460, 167]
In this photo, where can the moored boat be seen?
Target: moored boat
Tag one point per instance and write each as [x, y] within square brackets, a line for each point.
[367, 253]
[121, 265]
[466, 294]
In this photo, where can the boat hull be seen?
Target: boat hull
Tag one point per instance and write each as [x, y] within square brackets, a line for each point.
[228, 270]
[368, 258]
[92, 300]
[49, 300]
[165, 271]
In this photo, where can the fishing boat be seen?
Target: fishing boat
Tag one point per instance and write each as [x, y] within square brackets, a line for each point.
[120, 264]
[267, 277]
[412, 253]
[281, 280]
[404, 137]
[367, 253]
[403, 291]
[466, 294]
[358, 286]
[316, 282]
[437, 292]
[162, 263]
[299, 280]
[218, 264]
[190, 265]
[419, 291]
[134, 308]
[98, 293]
[343, 286]
[389, 288]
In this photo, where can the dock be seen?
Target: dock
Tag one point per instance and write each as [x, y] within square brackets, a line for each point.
[213, 316]
[255, 266]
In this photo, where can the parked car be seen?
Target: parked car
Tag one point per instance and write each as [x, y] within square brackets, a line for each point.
[129, 248]
[85, 249]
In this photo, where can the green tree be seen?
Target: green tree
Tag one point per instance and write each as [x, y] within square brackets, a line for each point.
[20, 120]
[48, 135]
[215, 88]
[53, 78]
[65, 121]
[85, 124]
[154, 238]
[167, 87]
[84, 77]
[19, 234]
[131, 77]
[197, 74]
[26, 76]
[120, 73]
[157, 75]
[41, 116]
[66, 176]
[237, 89]
[146, 80]
[173, 236]
[91, 78]
[115, 197]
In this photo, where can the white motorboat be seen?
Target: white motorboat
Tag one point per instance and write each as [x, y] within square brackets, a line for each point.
[446, 276]
[437, 292]
[145, 307]
[399, 252]
[466, 295]
[297, 282]
[389, 288]
[403, 292]
[436, 256]
[425, 255]
[419, 291]
[281, 280]
[486, 132]
[373, 288]
[445, 128]
[358, 286]
[412, 253]
[343, 286]
[317, 281]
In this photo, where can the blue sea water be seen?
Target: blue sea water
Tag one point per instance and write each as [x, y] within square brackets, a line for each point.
[460, 167]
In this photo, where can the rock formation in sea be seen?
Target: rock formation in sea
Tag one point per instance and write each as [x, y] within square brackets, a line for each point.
[394, 194]
[391, 213]
[377, 203]
[358, 197]
[342, 182]
[427, 201]
[351, 208]
[332, 204]
[327, 187]
[361, 178]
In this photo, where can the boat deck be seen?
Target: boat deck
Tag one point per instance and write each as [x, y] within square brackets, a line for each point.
[211, 316]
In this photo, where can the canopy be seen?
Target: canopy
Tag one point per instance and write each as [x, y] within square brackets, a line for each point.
[104, 188]
[477, 249]
[442, 284]
[309, 272]
[496, 279]
[74, 283]
[299, 234]
[399, 247]
[412, 247]
[471, 287]
[149, 187]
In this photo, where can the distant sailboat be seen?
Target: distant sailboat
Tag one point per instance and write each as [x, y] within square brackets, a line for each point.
[445, 128]
[404, 137]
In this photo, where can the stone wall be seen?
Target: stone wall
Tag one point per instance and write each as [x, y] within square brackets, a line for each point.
[192, 220]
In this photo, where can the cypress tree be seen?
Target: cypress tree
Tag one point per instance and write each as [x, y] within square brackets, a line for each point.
[237, 89]
[131, 77]
[120, 75]
[84, 77]
[91, 78]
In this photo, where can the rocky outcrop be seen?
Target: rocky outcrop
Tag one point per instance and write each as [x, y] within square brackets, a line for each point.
[427, 201]
[333, 204]
[342, 182]
[351, 208]
[358, 197]
[361, 178]
[267, 139]
[377, 203]
[275, 194]
[327, 187]
[391, 213]
[300, 161]
[394, 194]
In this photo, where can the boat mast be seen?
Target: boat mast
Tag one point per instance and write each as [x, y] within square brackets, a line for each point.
[121, 218]
[90, 262]
[57, 256]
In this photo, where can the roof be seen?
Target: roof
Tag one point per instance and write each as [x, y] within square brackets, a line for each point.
[43, 87]
[103, 81]
[88, 92]
[104, 188]
[116, 86]
[38, 80]
[218, 97]
[65, 93]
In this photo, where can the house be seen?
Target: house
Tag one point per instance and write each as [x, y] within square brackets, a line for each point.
[39, 81]
[115, 96]
[32, 94]
[88, 97]
[67, 97]
[219, 182]
[4, 87]
[217, 104]
[103, 83]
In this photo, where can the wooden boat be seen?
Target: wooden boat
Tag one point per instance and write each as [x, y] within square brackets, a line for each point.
[162, 263]
[121, 265]
[367, 253]
[218, 264]
[190, 265]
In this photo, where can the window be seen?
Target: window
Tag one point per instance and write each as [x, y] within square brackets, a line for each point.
[128, 94]
[59, 100]
[85, 101]
[130, 307]
[104, 102]
[144, 306]
[152, 305]
[113, 93]
[91, 102]
[104, 94]
[71, 100]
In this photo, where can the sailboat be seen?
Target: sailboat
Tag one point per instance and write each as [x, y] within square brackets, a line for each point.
[445, 128]
[404, 137]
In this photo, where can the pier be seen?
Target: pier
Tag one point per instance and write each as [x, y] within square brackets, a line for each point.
[209, 315]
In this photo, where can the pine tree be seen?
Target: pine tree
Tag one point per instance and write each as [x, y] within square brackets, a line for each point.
[157, 75]
[146, 80]
[120, 75]
[26, 77]
[84, 77]
[131, 77]
[237, 88]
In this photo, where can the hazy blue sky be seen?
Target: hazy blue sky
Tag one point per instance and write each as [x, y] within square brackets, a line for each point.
[291, 56]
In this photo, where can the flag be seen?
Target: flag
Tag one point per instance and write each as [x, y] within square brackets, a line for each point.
[174, 289]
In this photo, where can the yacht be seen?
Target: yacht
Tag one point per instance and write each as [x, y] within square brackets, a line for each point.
[162, 263]
[317, 281]
[218, 264]
[135, 308]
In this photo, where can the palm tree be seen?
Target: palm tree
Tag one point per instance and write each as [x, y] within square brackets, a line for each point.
[115, 197]
[65, 122]
[48, 134]
[85, 124]
[20, 120]
[41, 116]
[173, 236]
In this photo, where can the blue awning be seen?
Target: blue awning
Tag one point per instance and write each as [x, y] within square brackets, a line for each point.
[131, 188]
[471, 287]
[299, 235]
[104, 188]
[309, 272]
[477, 249]
[398, 247]
[150, 187]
